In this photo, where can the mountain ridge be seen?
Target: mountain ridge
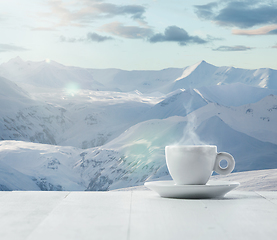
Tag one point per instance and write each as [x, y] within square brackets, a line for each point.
[146, 81]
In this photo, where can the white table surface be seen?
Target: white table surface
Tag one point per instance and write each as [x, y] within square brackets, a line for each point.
[138, 215]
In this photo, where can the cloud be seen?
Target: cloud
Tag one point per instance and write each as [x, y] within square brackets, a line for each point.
[176, 34]
[232, 48]
[273, 32]
[242, 14]
[98, 38]
[211, 38]
[171, 34]
[132, 32]
[91, 37]
[266, 30]
[81, 12]
[274, 46]
[111, 10]
[205, 11]
[71, 40]
[11, 48]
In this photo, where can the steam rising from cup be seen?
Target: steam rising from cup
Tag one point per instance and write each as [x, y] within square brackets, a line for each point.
[190, 137]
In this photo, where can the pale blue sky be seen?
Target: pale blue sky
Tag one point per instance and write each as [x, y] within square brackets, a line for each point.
[145, 34]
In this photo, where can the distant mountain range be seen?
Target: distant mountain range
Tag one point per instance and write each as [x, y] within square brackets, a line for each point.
[69, 128]
[46, 74]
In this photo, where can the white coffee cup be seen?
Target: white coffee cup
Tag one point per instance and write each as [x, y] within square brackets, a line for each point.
[194, 164]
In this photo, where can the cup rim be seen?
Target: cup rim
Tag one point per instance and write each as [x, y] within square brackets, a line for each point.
[191, 146]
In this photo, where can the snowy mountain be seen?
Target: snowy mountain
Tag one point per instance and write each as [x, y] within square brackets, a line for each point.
[134, 157]
[204, 74]
[87, 119]
[178, 103]
[52, 75]
[68, 128]
[235, 94]
[13, 97]
[49, 74]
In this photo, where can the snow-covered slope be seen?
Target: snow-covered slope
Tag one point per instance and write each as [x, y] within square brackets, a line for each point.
[11, 179]
[257, 120]
[235, 94]
[48, 167]
[92, 129]
[178, 103]
[260, 180]
[87, 119]
[99, 117]
[12, 97]
[144, 81]
[26, 118]
[249, 153]
[134, 157]
[204, 74]
[45, 74]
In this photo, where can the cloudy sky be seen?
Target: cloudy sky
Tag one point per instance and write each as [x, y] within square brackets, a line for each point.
[140, 34]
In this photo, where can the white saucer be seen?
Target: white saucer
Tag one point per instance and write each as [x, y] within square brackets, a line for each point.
[213, 189]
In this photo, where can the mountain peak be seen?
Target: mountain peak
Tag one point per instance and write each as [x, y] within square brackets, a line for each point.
[192, 68]
[13, 63]
[16, 60]
[202, 64]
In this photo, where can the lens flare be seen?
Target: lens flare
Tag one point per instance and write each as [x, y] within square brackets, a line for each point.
[47, 60]
[72, 88]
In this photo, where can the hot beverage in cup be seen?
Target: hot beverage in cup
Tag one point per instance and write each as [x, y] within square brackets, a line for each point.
[194, 164]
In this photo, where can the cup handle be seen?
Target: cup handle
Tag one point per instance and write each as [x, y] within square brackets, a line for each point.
[230, 160]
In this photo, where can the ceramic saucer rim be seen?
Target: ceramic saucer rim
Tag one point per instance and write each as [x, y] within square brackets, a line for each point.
[171, 190]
